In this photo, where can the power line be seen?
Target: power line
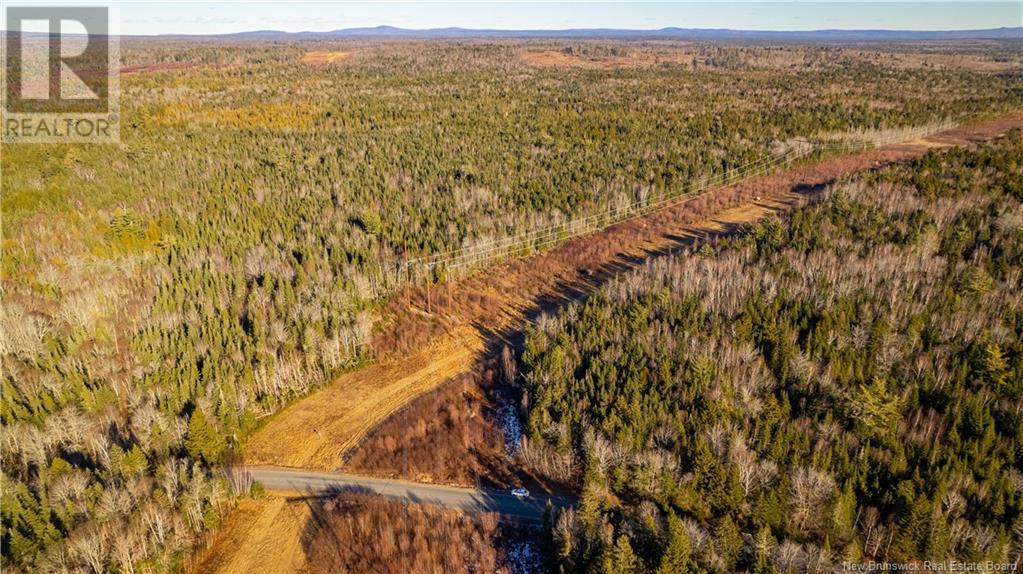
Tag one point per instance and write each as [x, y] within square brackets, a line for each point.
[416, 269]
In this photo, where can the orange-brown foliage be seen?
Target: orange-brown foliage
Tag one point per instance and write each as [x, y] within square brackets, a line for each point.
[363, 533]
[316, 58]
[446, 436]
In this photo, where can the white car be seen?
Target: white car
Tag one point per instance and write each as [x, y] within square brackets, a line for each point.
[520, 493]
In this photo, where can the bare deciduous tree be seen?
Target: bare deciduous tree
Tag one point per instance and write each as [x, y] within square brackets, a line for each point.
[810, 491]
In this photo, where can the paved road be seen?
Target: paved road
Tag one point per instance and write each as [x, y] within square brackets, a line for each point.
[467, 499]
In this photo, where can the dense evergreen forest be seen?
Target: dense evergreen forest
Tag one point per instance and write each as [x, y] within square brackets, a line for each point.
[162, 296]
[844, 385]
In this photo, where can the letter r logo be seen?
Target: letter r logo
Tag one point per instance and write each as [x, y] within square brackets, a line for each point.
[70, 72]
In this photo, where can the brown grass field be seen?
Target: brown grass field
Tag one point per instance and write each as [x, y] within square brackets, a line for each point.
[445, 330]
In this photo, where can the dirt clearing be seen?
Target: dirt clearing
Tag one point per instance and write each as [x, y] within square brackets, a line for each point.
[315, 432]
[262, 535]
[319, 58]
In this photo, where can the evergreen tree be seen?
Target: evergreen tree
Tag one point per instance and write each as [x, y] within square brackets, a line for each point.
[728, 541]
[203, 440]
[620, 559]
[677, 551]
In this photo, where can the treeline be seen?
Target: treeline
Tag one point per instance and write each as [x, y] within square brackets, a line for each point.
[844, 385]
[161, 296]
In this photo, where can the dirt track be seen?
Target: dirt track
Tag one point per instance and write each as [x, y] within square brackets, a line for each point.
[421, 350]
[319, 429]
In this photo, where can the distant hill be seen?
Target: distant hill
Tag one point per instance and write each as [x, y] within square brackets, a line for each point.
[663, 33]
[1004, 33]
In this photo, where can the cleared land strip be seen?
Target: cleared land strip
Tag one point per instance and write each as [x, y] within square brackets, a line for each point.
[463, 260]
[291, 481]
[315, 431]
[498, 299]
[421, 350]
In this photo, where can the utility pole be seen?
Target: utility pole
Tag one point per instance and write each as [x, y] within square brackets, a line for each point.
[408, 284]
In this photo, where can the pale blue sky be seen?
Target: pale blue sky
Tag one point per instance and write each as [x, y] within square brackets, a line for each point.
[208, 17]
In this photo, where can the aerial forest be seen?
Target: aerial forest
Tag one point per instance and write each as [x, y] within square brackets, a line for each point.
[162, 297]
[844, 384]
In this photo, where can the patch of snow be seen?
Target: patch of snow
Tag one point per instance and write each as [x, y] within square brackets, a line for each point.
[511, 427]
[524, 557]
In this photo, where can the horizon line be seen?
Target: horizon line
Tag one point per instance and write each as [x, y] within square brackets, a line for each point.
[539, 32]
